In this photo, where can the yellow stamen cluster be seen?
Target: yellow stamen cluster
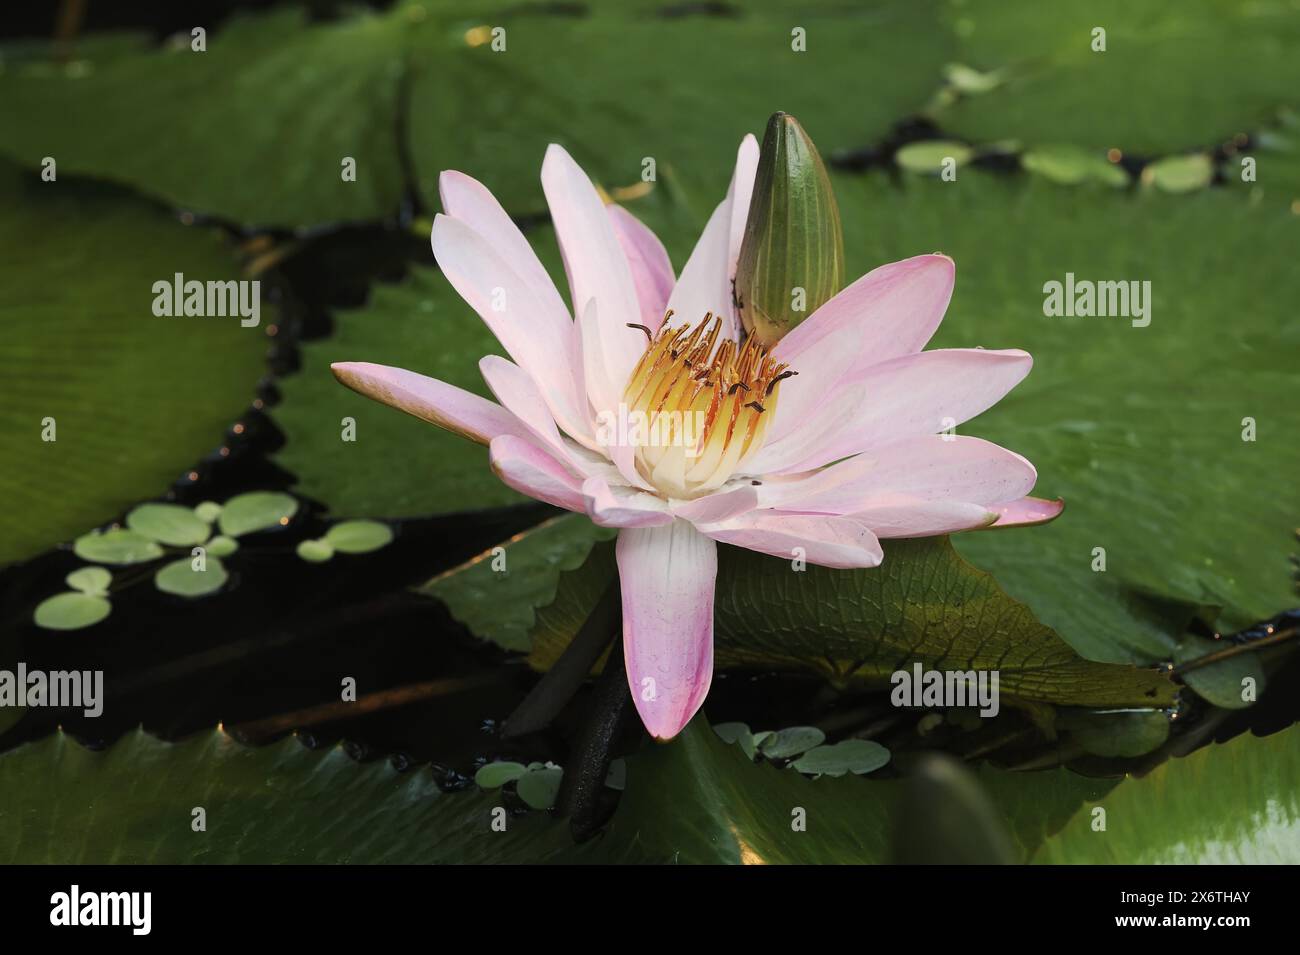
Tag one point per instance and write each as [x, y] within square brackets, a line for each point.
[707, 405]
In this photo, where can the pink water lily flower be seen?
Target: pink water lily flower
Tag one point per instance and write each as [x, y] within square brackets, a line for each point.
[645, 411]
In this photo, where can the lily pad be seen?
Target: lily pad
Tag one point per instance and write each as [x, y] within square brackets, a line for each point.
[931, 156]
[208, 511]
[1072, 165]
[1186, 518]
[256, 511]
[1062, 90]
[540, 787]
[496, 775]
[790, 741]
[124, 401]
[222, 546]
[1180, 173]
[272, 804]
[116, 546]
[359, 537]
[180, 578]
[924, 604]
[267, 125]
[168, 524]
[1164, 818]
[93, 581]
[71, 611]
[857, 756]
[495, 593]
[315, 551]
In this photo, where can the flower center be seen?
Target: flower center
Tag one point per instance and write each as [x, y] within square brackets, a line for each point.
[697, 408]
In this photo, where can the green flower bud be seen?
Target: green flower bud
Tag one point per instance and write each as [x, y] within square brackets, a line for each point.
[792, 256]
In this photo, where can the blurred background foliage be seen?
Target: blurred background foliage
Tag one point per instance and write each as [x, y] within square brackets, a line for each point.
[1122, 164]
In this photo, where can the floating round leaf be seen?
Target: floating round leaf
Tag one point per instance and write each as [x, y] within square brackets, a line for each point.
[1180, 173]
[496, 775]
[738, 733]
[222, 546]
[1234, 683]
[930, 156]
[207, 511]
[358, 537]
[856, 756]
[180, 578]
[168, 524]
[315, 551]
[256, 511]
[791, 742]
[90, 580]
[116, 546]
[540, 787]
[71, 611]
[1071, 165]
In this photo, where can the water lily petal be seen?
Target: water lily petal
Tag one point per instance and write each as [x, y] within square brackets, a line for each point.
[1028, 511]
[652, 272]
[617, 505]
[430, 400]
[522, 465]
[924, 393]
[667, 575]
[898, 515]
[824, 539]
[541, 341]
[929, 467]
[705, 284]
[720, 506]
[471, 202]
[519, 395]
[891, 311]
[597, 268]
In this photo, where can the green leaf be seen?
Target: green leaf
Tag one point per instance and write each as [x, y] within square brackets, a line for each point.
[790, 741]
[945, 817]
[271, 804]
[1223, 683]
[256, 511]
[923, 604]
[1230, 803]
[739, 733]
[857, 756]
[1060, 90]
[93, 581]
[496, 775]
[1117, 734]
[498, 605]
[540, 787]
[315, 551]
[71, 611]
[1180, 173]
[359, 537]
[1071, 165]
[116, 546]
[928, 158]
[168, 524]
[207, 511]
[1214, 530]
[222, 546]
[180, 578]
[579, 80]
[398, 466]
[742, 811]
[132, 400]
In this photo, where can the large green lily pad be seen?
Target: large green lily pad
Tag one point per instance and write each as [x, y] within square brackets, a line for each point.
[1173, 77]
[1165, 818]
[924, 605]
[275, 104]
[1139, 429]
[135, 399]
